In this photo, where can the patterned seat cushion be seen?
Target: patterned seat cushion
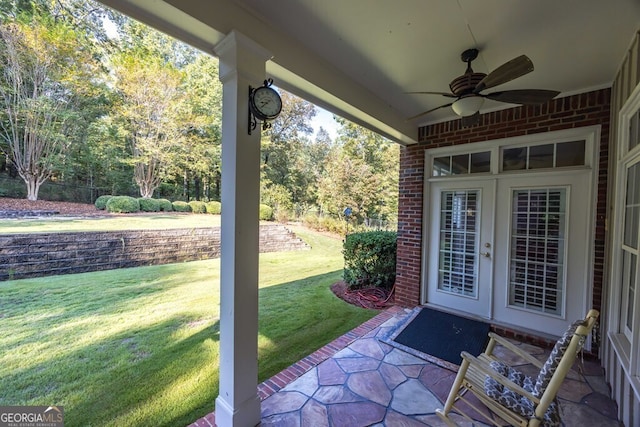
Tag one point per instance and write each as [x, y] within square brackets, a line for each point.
[512, 400]
[549, 368]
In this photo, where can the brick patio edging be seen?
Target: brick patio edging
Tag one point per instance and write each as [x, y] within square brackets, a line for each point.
[281, 379]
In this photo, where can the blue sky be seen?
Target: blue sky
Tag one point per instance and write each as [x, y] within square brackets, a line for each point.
[325, 119]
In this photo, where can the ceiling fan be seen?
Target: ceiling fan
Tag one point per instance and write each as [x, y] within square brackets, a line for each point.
[467, 88]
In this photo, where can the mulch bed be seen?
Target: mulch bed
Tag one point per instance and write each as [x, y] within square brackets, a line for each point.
[372, 298]
[16, 206]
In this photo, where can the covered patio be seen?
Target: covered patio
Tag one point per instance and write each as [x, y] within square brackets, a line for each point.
[544, 188]
[359, 380]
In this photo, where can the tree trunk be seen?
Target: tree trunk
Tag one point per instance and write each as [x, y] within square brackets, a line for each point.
[33, 186]
[185, 185]
[196, 187]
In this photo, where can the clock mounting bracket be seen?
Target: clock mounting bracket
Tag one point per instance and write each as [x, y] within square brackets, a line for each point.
[265, 105]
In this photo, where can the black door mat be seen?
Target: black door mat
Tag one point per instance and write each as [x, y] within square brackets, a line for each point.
[439, 337]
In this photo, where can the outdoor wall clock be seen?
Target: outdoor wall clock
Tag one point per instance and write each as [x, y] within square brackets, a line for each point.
[265, 105]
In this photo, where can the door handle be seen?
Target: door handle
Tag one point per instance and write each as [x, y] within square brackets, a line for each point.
[486, 254]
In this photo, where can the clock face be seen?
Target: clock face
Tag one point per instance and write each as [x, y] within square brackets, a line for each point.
[266, 103]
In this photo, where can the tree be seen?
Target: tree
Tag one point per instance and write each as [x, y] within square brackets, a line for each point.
[44, 70]
[283, 147]
[347, 182]
[202, 113]
[361, 173]
[148, 112]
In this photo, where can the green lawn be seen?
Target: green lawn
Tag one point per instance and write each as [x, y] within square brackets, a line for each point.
[109, 223]
[139, 347]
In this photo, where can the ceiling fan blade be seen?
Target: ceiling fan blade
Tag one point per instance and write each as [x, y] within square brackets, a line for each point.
[508, 71]
[523, 96]
[472, 120]
[447, 94]
[429, 111]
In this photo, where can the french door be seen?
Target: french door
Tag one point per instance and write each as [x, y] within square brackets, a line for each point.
[461, 245]
[542, 274]
[513, 249]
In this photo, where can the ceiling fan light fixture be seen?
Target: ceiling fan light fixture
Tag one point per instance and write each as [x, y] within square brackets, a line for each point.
[468, 105]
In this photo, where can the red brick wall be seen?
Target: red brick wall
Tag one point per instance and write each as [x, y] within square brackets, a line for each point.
[586, 109]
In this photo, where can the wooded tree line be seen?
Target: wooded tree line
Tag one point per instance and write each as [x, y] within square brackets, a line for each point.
[90, 97]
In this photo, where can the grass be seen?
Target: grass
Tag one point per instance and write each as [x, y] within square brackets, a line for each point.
[109, 223]
[139, 347]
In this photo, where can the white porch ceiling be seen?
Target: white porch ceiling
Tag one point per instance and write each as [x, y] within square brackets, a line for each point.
[358, 58]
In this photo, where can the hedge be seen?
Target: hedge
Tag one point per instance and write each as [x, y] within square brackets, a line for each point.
[180, 206]
[123, 204]
[198, 207]
[266, 212]
[214, 208]
[370, 259]
[101, 202]
[149, 205]
[165, 205]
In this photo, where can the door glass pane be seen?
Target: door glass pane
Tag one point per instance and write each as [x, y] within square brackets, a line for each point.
[457, 259]
[632, 207]
[538, 223]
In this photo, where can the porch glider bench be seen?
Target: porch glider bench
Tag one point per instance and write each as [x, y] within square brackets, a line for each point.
[516, 398]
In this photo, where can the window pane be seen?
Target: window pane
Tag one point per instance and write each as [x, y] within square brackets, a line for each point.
[634, 131]
[460, 164]
[481, 162]
[538, 222]
[441, 166]
[458, 236]
[541, 156]
[632, 207]
[629, 262]
[514, 159]
[570, 154]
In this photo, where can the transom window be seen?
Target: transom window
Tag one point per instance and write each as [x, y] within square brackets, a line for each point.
[556, 155]
[508, 158]
[462, 164]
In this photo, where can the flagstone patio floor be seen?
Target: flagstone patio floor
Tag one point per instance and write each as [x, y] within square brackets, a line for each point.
[359, 380]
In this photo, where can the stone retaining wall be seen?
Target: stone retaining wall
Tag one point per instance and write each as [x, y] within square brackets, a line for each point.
[46, 254]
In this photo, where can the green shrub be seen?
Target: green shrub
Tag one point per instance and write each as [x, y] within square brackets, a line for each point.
[123, 204]
[149, 205]
[282, 216]
[165, 205]
[327, 223]
[214, 208]
[198, 206]
[311, 221]
[101, 202]
[180, 206]
[266, 212]
[370, 259]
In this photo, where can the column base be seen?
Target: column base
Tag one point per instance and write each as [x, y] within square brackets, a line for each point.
[246, 414]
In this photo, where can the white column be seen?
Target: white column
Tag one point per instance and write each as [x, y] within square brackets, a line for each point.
[242, 63]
